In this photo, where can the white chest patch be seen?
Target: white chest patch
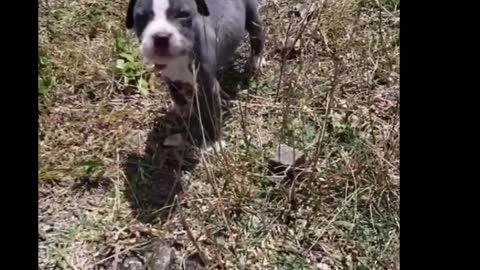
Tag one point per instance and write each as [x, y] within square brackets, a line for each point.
[178, 70]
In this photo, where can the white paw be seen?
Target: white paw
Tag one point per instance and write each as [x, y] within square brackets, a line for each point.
[257, 63]
[215, 147]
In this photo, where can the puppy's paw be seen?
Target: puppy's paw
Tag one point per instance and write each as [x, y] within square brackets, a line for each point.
[256, 64]
[216, 147]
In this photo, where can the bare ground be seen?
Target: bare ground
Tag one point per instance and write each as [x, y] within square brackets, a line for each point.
[331, 89]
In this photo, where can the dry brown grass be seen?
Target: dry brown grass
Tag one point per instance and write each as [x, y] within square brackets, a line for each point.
[334, 95]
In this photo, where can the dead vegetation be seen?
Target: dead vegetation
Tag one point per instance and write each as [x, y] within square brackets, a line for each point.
[330, 89]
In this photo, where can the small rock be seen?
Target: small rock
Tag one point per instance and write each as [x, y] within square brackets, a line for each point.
[194, 262]
[173, 140]
[136, 138]
[285, 157]
[41, 235]
[163, 257]
[323, 266]
[43, 230]
[193, 265]
[133, 263]
[48, 228]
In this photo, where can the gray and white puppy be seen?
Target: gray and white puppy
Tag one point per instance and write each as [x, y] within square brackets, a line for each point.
[183, 37]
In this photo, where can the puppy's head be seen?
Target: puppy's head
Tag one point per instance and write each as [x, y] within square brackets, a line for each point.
[164, 27]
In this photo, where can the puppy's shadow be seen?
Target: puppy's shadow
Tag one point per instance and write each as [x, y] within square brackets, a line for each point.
[154, 179]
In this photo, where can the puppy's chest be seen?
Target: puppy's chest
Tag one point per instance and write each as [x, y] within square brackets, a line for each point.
[179, 78]
[179, 70]
[182, 93]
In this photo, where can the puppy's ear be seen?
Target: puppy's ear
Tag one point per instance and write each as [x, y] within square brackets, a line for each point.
[202, 7]
[129, 18]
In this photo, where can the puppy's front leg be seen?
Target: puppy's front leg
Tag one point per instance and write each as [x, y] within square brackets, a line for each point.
[182, 95]
[208, 103]
[257, 37]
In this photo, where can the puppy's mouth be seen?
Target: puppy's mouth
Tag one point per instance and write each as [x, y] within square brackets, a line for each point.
[161, 61]
[167, 55]
[162, 53]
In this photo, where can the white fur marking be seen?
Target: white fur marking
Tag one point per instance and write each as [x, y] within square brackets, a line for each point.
[160, 24]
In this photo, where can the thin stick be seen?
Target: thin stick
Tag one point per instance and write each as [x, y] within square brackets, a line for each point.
[327, 111]
[304, 23]
[190, 236]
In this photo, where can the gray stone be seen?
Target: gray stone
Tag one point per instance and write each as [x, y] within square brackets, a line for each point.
[133, 263]
[136, 138]
[41, 235]
[163, 257]
[194, 262]
[284, 158]
[193, 265]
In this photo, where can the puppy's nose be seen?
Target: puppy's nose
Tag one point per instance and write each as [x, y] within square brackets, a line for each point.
[161, 40]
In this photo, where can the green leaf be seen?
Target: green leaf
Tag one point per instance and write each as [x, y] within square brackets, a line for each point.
[143, 86]
[127, 56]
[120, 64]
[91, 168]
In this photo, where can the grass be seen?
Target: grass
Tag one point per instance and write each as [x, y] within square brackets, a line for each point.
[331, 89]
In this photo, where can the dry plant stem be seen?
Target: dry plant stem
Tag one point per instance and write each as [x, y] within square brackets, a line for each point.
[286, 100]
[212, 182]
[210, 176]
[284, 59]
[172, 208]
[388, 147]
[319, 144]
[304, 24]
[69, 263]
[372, 147]
[330, 222]
[116, 259]
[191, 237]
[287, 104]
[200, 120]
[370, 114]
[217, 246]
[380, 31]
[117, 189]
[222, 152]
[131, 190]
[243, 121]
[126, 250]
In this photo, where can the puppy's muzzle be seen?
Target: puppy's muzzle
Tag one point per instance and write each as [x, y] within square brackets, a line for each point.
[161, 44]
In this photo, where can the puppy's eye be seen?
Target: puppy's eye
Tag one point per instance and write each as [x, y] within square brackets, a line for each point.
[182, 14]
